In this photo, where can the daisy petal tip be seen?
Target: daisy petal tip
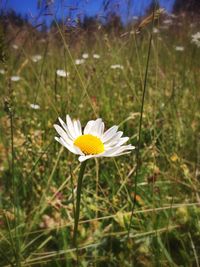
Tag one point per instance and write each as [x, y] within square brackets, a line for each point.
[81, 158]
[68, 117]
[60, 120]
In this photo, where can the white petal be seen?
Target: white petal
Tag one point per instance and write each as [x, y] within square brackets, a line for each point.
[99, 128]
[117, 143]
[122, 141]
[112, 141]
[123, 149]
[109, 133]
[88, 127]
[69, 147]
[79, 127]
[76, 128]
[95, 127]
[71, 127]
[64, 125]
[102, 129]
[112, 152]
[68, 141]
[73, 147]
[83, 158]
[61, 132]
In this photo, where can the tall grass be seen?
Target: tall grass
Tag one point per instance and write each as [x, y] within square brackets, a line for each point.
[37, 227]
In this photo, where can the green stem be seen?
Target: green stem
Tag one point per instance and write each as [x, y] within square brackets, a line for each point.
[78, 200]
[140, 128]
[55, 87]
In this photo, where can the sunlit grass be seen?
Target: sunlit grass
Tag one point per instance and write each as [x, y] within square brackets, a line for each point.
[37, 217]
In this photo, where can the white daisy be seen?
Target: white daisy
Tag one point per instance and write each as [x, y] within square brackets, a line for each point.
[155, 30]
[35, 106]
[36, 58]
[85, 56]
[179, 48]
[62, 73]
[164, 27]
[167, 21]
[116, 66]
[15, 78]
[14, 46]
[79, 61]
[93, 142]
[2, 71]
[173, 16]
[196, 39]
[96, 56]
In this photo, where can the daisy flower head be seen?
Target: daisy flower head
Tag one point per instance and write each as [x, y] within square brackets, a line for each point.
[36, 58]
[155, 30]
[92, 142]
[85, 56]
[167, 21]
[96, 56]
[14, 46]
[2, 71]
[116, 66]
[179, 48]
[34, 106]
[62, 73]
[79, 61]
[15, 78]
[196, 39]
[135, 17]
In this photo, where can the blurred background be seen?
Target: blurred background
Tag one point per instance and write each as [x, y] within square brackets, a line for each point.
[90, 59]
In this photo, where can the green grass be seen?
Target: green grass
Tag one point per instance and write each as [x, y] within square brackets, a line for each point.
[38, 177]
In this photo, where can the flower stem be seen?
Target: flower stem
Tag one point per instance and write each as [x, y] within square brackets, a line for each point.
[78, 200]
[138, 159]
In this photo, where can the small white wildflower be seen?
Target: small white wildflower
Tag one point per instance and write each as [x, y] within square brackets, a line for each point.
[162, 105]
[62, 73]
[79, 61]
[85, 56]
[96, 56]
[2, 168]
[179, 48]
[196, 39]
[15, 46]
[173, 16]
[116, 66]
[2, 71]
[34, 106]
[36, 58]
[15, 78]
[42, 40]
[135, 17]
[164, 27]
[155, 30]
[167, 21]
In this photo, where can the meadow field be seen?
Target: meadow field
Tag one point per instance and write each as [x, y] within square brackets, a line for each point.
[138, 209]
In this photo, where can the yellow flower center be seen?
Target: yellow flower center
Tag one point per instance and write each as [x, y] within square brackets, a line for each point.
[89, 144]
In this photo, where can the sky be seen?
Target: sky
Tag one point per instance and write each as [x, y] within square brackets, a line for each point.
[74, 8]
